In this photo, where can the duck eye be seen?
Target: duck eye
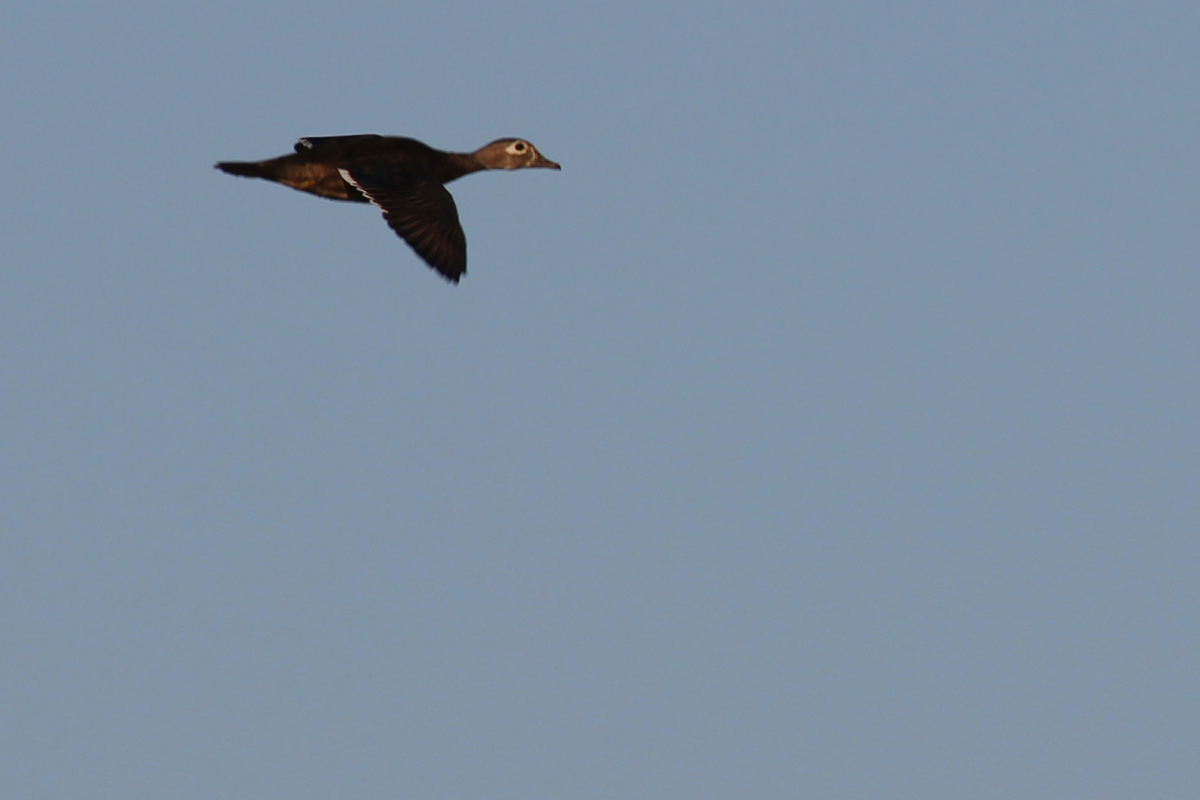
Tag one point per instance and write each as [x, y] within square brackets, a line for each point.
[519, 147]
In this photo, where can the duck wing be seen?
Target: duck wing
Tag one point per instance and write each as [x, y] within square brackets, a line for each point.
[421, 211]
[334, 144]
[365, 148]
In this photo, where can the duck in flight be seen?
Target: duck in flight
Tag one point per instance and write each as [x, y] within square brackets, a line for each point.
[403, 177]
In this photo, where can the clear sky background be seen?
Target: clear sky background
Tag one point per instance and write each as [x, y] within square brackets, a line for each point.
[827, 428]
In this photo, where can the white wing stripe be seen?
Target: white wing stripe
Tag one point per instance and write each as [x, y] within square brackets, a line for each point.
[346, 177]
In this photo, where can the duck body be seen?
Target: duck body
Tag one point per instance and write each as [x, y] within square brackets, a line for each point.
[403, 177]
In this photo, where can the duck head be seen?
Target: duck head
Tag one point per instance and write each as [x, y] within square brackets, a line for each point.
[512, 154]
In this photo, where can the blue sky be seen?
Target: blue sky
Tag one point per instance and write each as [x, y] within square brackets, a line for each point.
[826, 428]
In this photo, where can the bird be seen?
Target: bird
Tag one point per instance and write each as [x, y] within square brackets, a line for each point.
[405, 178]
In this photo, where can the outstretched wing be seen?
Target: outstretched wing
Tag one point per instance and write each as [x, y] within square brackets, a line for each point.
[421, 211]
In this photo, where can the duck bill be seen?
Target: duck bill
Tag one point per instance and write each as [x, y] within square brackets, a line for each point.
[542, 161]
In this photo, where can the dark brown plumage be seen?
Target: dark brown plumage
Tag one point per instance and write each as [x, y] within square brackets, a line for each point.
[402, 176]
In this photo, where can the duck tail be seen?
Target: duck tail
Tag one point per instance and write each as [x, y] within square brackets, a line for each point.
[298, 172]
[246, 169]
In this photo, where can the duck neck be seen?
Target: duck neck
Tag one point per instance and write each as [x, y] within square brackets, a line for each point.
[455, 165]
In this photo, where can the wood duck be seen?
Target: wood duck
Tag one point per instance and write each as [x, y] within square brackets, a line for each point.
[401, 176]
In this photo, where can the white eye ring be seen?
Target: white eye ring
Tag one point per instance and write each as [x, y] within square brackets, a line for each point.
[517, 148]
